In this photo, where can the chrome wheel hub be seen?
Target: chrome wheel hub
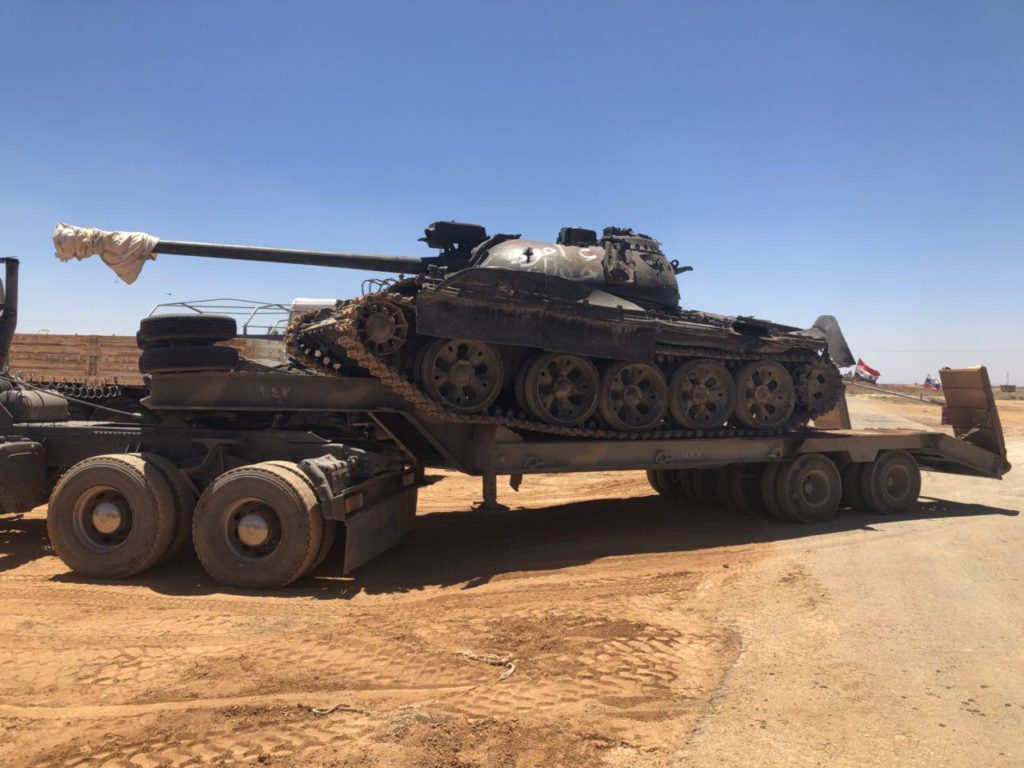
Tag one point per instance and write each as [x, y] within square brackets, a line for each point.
[253, 530]
[107, 517]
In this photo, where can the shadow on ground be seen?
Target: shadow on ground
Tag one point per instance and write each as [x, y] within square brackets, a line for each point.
[22, 540]
[467, 549]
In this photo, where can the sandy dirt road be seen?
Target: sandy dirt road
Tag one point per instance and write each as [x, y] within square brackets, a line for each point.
[639, 632]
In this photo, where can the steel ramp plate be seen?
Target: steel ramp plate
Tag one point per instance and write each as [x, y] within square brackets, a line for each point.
[971, 408]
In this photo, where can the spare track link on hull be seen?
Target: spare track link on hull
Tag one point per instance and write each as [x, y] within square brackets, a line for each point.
[343, 334]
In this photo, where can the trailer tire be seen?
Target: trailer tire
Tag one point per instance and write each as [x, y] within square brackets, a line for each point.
[746, 488]
[111, 516]
[770, 490]
[257, 527]
[809, 489]
[891, 483]
[190, 358]
[184, 506]
[723, 489]
[161, 330]
[852, 497]
[663, 481]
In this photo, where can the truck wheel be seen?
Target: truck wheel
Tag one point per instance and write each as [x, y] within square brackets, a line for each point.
[770, 490]
[891, 483]
[257, 527]
[745, 486]
[184, 505]
[809, 489]
[111, 516]
[852, 498]
[160, 330]
[330, 526]
[181, 359]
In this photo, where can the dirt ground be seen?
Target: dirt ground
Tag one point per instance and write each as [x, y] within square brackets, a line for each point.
[621, 630]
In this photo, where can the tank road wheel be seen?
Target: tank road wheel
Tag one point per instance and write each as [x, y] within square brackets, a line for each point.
[701, 394]
[561, 389]
[258, 527]
[818, 386]
[891, 483]
[462, 374]
[381, 326]
[765, 396]
[634, 396]
[809, 489]
[111, 516]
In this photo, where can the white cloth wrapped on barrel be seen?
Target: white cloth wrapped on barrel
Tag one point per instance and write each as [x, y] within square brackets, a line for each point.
[123, 252]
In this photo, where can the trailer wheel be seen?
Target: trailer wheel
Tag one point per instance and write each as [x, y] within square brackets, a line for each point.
[891, 483]
[809, 489]
[701, 484]
[745, 486]
[111, 516]
[770, 490]
[723, 489]
[666, 481]
[184, 505]
[257, 527]
[191, 358]
[852, 497]
[160, 330]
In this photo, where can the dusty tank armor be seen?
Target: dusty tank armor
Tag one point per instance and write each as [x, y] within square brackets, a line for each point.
[583, 337]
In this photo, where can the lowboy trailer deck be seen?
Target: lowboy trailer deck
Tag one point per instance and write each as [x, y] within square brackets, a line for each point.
[263, 469]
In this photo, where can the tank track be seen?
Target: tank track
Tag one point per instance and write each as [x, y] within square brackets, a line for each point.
[310, 348]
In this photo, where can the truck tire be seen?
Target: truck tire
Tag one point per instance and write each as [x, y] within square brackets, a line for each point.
[111, 516]
[184, 506]
[257, 527]
[891, 483]
[161, 330]
[330, 526]
[183, 359]
[809, 489]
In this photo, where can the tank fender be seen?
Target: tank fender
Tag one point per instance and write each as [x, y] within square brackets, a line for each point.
[827, 327]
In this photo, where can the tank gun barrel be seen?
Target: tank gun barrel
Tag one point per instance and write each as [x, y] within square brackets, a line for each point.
[395, 264]
[127, 252]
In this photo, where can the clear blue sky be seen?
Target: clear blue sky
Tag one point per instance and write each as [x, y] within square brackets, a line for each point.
[864, 159]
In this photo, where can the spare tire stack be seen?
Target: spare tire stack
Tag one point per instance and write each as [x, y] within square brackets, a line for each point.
[186, 343]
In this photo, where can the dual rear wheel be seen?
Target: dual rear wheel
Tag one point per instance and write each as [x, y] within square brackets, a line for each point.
[254, 527]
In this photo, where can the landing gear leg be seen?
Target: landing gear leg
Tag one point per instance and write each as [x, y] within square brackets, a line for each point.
[490, 492]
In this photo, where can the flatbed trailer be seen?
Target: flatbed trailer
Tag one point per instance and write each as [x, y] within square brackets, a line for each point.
[263, 470]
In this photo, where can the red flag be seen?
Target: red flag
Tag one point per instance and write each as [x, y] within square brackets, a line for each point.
[863, 367]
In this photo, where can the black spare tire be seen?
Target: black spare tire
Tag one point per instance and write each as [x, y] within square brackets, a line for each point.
[183, 359]
[160, 330]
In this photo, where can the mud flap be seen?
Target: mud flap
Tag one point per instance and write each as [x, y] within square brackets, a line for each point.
[378, 526]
